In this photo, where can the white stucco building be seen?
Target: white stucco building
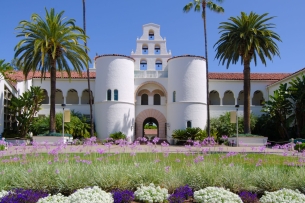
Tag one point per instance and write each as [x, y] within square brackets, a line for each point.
[149, 86]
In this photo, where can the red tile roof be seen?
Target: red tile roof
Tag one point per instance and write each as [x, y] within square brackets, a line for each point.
[253, 76]
[216, 76]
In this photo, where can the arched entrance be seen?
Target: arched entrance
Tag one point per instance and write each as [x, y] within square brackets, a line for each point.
[150, 128]
[147, 116]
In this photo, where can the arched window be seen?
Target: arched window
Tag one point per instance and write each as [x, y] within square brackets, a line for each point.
[144, 49]
[189, 124]
[158, 64]
[144, 99]
[151, 35]
[157, 49]
[109, 95]
[157, 99]
[174, 96]
[116, 95]
[143, 65]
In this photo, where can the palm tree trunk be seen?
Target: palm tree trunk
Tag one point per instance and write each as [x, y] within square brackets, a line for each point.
[207, 65]
[247, 88]
[88, 75]
[52, 97]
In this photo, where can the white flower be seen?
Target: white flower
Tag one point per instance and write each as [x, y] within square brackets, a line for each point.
[283, 196]
[216, 195]
[3, 193]
[59, 198]
[151, 193]
[91, 195]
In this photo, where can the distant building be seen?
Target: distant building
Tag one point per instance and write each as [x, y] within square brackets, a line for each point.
[148, 86]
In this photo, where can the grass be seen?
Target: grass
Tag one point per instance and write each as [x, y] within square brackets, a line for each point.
[60, 171]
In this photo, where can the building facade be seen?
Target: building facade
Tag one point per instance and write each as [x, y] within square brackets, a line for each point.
[148, 87]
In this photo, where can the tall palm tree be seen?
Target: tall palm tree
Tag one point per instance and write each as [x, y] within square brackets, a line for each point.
[247, 37]
[88, 73]
[198, 6]
[48, 45]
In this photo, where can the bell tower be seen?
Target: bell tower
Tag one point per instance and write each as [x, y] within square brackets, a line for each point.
[151, 53]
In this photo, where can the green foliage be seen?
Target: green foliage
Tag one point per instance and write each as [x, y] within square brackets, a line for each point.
[286, 108]
[299, 147]
[78, 127]
[25, 107]
[5, 70]
[48, 45]
[223, 126]
[117, 136]
[150, 126]
[189, 134]
[2, 147]
[267, 126]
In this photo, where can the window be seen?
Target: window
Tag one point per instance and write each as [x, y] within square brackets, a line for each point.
[144, 99]
[157, 99]
[157, 49]
[158, 65]
[174, 96]
[144, 49]
[143, 65]
[151, 35]
[116, 95]
[189, 124]
[109, 95]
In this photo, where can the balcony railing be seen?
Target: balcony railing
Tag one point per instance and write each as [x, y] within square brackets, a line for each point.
[150, 74]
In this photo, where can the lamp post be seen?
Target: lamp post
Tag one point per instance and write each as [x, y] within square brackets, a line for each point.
[236, 106]
[63, 120]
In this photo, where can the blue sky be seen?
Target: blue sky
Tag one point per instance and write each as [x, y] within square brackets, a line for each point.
[113, 27]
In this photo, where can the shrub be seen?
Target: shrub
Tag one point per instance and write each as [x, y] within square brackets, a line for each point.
[283, 196]
[122, 196]
[2, 147]
[215, 194]
[117, 136]
[248, 197]
[223, 126]
[3, 193]
[299, 147]
[151, 193]
[54, 199]
[23, 195]
[94, 194]
[181, 194]
[189, 134]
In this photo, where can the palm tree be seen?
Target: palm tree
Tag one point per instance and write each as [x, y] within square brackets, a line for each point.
[247, 37]
[88, 73]
[198, 6]
[48, 45]
[5, 70]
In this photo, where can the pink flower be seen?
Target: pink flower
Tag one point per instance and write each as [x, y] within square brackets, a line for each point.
[167, 169]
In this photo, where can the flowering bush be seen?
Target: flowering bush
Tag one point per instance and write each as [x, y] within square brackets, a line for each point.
[3, 193]
[182, 193]
[151, 193]
[248, 197]
[215, 194]
[54, 199]
[23, 195]
[91, 195]
[122, 196]
[283, 196]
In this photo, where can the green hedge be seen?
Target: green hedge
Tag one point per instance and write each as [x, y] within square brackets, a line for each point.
[299, 147]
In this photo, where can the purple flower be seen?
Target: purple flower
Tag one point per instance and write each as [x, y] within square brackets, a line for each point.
[248, 197]
[23, 195]
[122, 196]
[180, 194]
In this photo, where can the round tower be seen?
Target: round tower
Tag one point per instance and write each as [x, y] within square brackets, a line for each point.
[186, 104]
[114, 95]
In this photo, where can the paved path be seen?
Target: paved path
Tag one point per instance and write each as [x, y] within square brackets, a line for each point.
[141, 148]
